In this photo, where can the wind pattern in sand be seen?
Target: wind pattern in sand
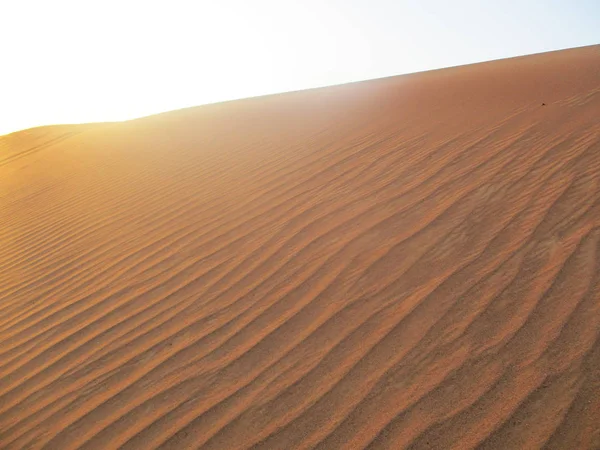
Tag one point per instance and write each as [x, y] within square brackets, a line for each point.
[405, 262]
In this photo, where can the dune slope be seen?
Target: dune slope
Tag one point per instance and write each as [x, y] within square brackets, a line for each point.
[406, 262]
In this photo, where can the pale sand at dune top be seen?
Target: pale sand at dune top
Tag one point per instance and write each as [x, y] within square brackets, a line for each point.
[404, 262]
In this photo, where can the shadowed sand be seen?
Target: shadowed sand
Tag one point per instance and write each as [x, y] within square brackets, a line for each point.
[405, 262]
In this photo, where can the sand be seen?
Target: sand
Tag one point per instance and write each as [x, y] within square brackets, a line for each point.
[405, 262]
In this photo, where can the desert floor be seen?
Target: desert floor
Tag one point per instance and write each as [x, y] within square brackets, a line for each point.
[404, 262]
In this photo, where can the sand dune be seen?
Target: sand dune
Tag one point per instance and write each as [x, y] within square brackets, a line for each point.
[405, 262]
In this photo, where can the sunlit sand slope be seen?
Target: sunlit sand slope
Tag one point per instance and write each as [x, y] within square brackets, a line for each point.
[406, 262]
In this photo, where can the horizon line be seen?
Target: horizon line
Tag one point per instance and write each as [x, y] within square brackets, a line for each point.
[312, 88]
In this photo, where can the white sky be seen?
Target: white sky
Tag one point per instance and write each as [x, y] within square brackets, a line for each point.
[64, 61]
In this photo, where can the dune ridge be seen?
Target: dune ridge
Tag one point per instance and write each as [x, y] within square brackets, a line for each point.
[409, 262]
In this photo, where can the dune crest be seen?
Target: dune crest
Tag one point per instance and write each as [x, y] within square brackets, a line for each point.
[405, 262]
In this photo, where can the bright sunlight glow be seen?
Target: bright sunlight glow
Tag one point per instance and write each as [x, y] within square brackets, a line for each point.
[73, 61]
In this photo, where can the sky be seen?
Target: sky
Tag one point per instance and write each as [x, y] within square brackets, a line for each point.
[64, 61]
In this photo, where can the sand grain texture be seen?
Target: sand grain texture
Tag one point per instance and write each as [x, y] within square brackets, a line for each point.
[411, 262]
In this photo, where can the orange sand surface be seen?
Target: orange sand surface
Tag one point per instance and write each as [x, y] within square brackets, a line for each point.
[405, 262]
